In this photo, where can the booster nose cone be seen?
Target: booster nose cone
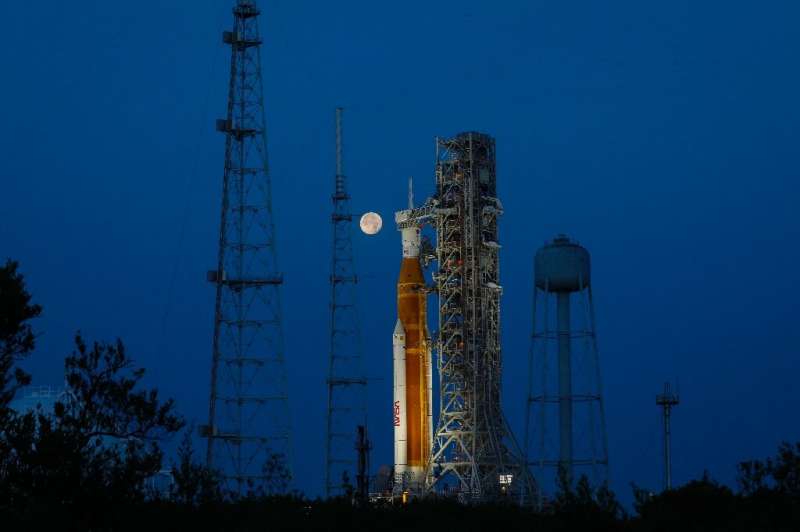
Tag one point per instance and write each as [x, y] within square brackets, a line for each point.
[399, 332]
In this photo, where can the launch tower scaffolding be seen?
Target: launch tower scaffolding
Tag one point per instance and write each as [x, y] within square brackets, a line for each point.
[248, 429]
[347, 385]
[474, 454]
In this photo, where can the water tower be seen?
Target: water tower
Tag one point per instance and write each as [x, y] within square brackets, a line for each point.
[565, 426]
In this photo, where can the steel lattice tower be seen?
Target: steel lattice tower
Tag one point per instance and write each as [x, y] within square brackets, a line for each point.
[474, 454]
[565, 431]
[249, 429]
[346, 382]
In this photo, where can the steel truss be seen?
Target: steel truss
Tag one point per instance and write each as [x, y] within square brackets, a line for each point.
[474, 455]
[249, 427]
[347, 386]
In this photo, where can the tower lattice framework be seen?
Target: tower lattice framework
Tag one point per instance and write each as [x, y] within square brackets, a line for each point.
[474, 454]
[249, 428]
[347, 385]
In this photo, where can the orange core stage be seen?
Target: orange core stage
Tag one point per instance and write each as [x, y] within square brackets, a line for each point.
[411, 309]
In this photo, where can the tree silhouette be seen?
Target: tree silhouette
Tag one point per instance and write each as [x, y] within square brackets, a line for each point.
[780, 473]
[194, 484]
[16, 335]
[585, 507]
[701, 504]
[85, 465]
[99, 444]
[277, 476]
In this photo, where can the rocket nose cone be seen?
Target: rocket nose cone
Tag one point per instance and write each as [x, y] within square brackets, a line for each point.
[398, 329]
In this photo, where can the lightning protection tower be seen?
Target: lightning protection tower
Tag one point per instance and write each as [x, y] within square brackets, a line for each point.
[347, 385]
[474, 453]
[248, 429]
[565, 427]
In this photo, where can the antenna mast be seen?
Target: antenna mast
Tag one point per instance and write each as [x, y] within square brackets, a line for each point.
[347, 385]
[666, 401]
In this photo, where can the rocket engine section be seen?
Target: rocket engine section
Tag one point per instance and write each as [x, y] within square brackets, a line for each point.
[413, 412]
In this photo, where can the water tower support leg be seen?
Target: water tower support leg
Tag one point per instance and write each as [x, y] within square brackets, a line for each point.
[564, 383]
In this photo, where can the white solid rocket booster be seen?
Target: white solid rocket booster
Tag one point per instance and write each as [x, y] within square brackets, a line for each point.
[400, 426]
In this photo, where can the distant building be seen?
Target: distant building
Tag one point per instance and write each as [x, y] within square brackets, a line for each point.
[44, 397]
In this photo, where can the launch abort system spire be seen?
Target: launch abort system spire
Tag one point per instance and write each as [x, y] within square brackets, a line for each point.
[248, 429]
[347, 386]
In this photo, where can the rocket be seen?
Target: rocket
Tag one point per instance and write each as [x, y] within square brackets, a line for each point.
[412, 408]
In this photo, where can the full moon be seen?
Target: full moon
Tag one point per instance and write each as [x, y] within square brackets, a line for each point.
[371, 223]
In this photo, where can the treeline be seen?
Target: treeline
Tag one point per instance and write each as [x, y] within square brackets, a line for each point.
[88, 464]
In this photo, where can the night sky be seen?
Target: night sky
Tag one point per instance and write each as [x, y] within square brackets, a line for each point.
[661, 135]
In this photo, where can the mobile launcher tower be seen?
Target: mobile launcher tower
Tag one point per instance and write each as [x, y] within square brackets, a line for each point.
[473, 454]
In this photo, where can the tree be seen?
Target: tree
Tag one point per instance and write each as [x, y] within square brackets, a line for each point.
[99, 444]
[276, 475]
[347, 486]
[585, 507]
[16, 335]
[752, 477]
[780, 473]
[193, 483]
[701, 504]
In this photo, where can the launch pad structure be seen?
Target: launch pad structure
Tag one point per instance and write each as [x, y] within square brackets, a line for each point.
[474, 455]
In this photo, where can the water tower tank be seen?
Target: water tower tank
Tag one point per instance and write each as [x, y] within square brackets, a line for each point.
[562, 266]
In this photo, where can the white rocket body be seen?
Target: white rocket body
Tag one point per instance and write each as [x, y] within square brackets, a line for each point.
[429, 372]
[411, 242]
[399, 415]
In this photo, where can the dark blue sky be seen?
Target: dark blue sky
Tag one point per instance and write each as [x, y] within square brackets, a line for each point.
[662, 136]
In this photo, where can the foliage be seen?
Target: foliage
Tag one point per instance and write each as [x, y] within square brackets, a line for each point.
[780, 474]
[277, 475]
[16, 335]
[100, 443]
[193, 484]
[585, 507]
[85, 466]
[701, 504]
